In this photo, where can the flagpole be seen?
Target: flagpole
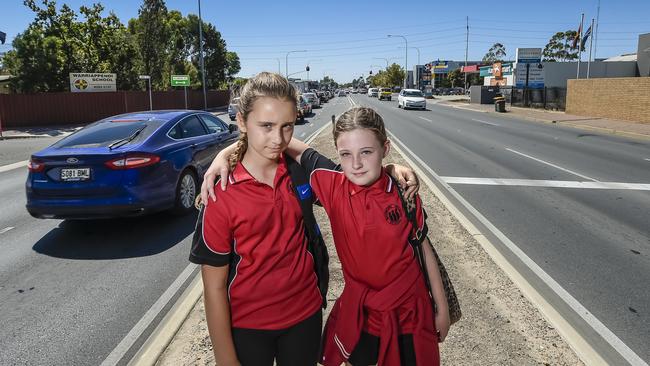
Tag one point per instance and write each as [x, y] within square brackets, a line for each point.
[582, 20]
[591, 42]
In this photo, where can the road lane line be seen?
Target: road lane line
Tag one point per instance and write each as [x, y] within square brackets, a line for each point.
[551, 164]
[583, 348]
[127, 342]
[486, 122]
[426, 119]
[6, 229]
[546, 183]
[20, 164]
[646, 159]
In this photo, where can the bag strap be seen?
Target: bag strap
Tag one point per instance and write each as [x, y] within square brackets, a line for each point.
[315, 242]
[417, 236]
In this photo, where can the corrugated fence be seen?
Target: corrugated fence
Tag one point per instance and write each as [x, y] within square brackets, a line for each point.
[49, 109]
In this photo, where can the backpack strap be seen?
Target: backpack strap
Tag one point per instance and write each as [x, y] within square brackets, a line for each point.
[315, 242]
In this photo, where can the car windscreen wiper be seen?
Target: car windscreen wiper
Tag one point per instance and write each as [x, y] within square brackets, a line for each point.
[126, 140]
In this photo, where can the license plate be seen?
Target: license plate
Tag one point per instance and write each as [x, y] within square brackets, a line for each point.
[75, 174]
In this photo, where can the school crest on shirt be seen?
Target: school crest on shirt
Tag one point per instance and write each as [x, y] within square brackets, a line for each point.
[393, 214]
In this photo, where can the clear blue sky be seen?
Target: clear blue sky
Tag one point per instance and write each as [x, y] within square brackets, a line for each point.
[343, 37]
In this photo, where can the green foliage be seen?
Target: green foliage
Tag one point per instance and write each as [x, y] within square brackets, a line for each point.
[559, 47]
[158, 43]
[391, 77]
[496, 53]
[329, 83]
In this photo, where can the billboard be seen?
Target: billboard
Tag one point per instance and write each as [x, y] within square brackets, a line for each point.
[535, 75]
[92, 82]
[528, 55]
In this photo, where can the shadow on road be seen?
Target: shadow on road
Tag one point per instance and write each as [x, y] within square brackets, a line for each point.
[116, 238]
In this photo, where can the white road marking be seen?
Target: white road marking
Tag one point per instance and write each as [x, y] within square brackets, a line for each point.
[426, 119]
[486, 122]
[551, 164]
[20, 164]
[646, 159]
[116, 355]
[6, 229]
[611, 338]
[546, 183]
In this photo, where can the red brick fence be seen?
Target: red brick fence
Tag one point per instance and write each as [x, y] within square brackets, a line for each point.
[48, 109]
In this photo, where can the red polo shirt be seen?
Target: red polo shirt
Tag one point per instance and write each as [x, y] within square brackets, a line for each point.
[369, 225]
[274, 286]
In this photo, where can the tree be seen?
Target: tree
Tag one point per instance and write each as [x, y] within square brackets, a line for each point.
[152, 34]
[58, 43]
[559, 47]
[496, 53]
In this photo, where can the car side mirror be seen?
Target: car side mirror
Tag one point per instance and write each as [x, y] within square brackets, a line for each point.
[232, 128]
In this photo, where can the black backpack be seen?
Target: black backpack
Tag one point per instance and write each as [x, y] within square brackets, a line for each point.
[315, 242]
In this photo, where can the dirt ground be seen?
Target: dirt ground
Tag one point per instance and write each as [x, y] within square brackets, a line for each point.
[499, 326]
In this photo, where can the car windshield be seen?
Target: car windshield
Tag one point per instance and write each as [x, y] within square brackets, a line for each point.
[104, 133]
[413, 94]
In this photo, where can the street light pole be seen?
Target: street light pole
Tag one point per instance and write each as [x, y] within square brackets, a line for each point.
[414, 79]
[278, 60]
[286, 62]
[205, 97]
[406, 61]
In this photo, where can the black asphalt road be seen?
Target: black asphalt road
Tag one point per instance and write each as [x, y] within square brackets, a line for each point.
[71, 291]
[594, 242]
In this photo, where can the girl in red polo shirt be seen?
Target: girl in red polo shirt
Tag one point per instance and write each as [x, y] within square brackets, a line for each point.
[384, 315]
[261, 297]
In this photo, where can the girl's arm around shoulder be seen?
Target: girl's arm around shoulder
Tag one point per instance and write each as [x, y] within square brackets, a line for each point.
[217, 313]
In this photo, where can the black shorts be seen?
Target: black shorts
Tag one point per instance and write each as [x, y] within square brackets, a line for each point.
[367, 350]
[298, 345]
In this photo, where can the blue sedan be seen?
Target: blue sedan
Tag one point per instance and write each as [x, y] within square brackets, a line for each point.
[126, 165]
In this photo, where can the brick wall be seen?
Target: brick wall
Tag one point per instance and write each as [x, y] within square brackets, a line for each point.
[616, 98]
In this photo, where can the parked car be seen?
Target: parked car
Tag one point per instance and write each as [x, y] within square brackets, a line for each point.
[304, 108]
[232, 108]
[312, 99]
[373, 92]
[127, 165]
[384, 93]
[411, 98]
[341, 93]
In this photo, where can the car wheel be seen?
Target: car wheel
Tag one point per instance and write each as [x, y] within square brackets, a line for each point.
[232, 118]
[302, 118]
[185, 192]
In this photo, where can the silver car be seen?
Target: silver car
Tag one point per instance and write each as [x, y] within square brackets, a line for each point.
[312, 99]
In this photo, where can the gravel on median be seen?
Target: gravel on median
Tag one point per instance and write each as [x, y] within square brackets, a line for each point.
[499, 326]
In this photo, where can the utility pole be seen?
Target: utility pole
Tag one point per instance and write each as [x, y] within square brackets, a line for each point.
[595, 31]
[406, 55]
[205, 95]
[466, 48]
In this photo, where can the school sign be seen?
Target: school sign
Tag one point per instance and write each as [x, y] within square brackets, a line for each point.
[92, 82]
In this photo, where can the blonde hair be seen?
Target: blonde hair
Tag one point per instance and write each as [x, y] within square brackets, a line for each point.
[360, 118]
[264, 84]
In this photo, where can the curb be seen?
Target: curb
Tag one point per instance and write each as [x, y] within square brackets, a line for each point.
[164, 333]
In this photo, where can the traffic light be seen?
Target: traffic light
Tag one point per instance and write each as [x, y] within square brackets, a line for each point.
[370, 72]
[307, 68]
